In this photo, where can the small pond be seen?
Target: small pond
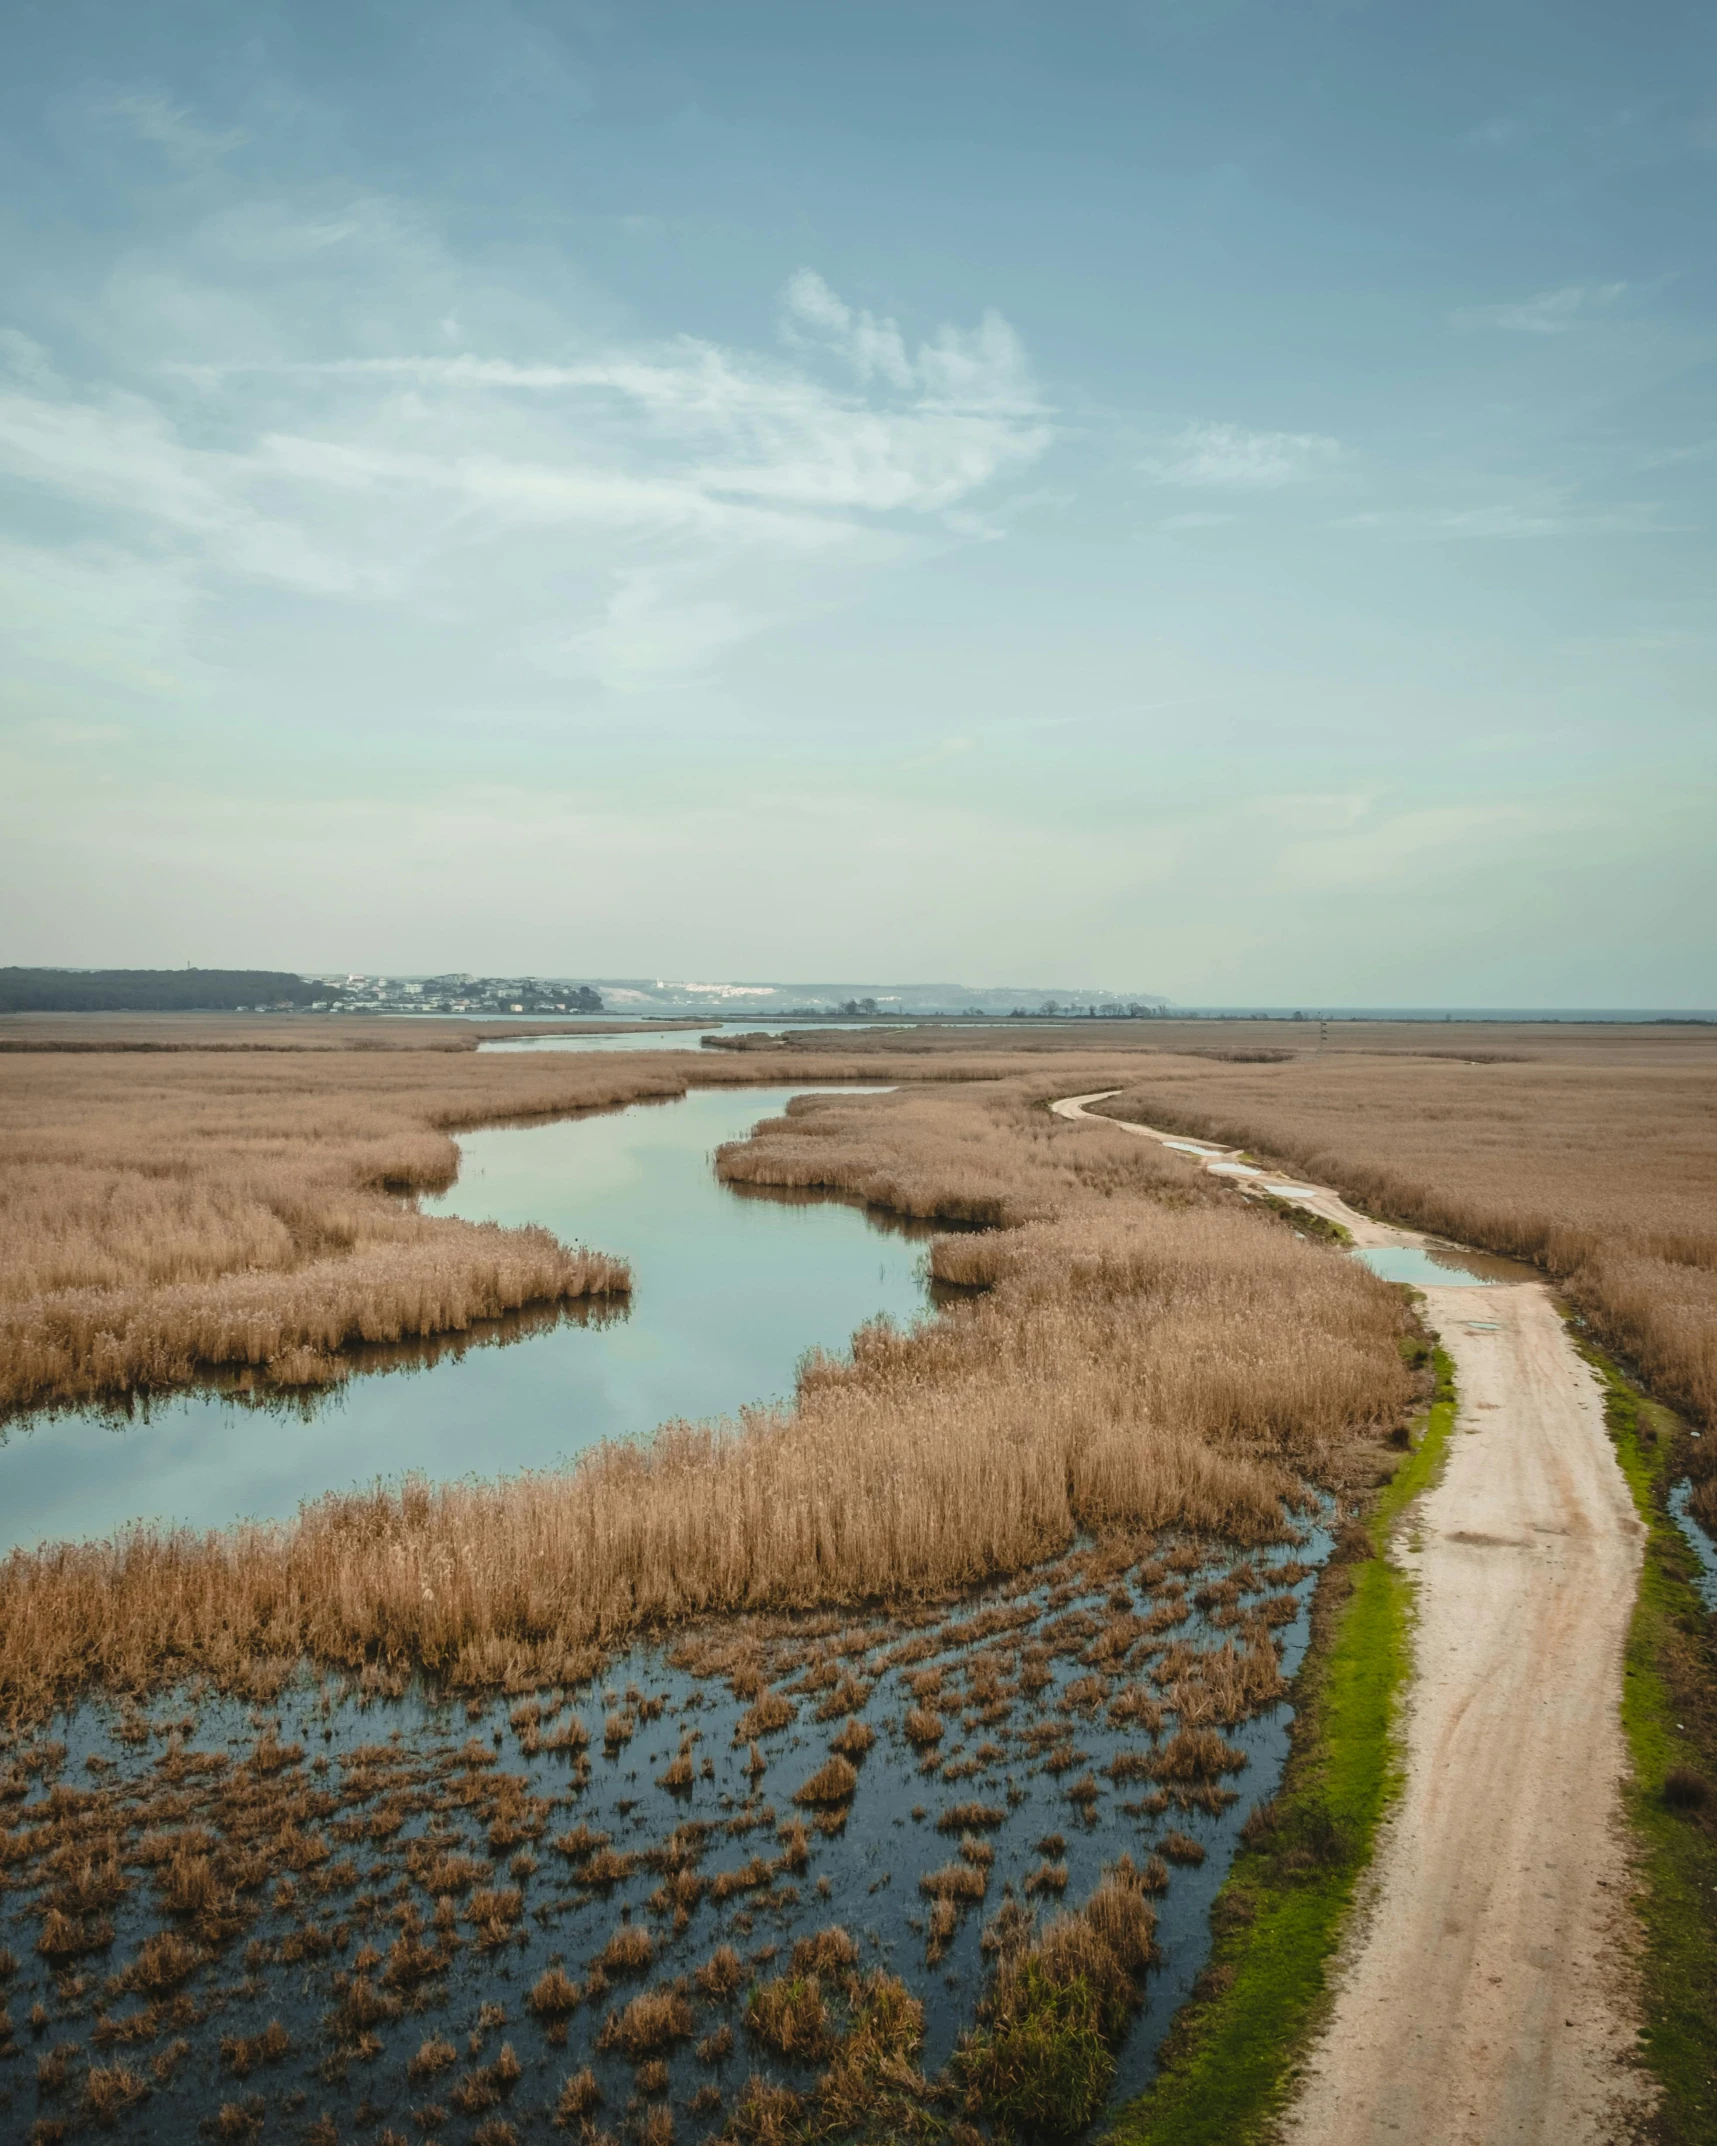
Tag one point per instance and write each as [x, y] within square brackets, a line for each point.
[656, 1039]
[680, 1039]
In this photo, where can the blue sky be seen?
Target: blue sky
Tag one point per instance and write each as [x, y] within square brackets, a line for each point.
[1213, 499]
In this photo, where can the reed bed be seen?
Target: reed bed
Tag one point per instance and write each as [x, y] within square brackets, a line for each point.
[164, 1215]
[171, 1208]
[1599, 1168]
[1143, 1354]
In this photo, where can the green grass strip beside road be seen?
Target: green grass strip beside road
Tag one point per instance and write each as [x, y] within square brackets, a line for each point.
[1669, 1716]
[1276, 1923]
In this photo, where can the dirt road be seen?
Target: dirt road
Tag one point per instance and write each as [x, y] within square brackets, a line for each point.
[1485, 1995]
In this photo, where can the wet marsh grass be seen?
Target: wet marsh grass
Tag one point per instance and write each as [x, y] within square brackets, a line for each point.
[171, 1208]
[1142, 1354]
[1140, 1358]
[165, 1216]
[1225, 2066]
[353, 1836]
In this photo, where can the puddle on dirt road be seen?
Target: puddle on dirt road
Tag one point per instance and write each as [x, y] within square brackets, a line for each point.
[1443, 1266]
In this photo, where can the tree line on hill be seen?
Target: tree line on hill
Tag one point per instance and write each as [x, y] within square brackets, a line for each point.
[155, 990]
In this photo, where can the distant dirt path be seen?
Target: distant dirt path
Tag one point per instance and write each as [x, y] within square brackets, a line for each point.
[1486, 1993]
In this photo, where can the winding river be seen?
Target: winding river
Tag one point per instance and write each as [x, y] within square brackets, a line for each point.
[729, 1289]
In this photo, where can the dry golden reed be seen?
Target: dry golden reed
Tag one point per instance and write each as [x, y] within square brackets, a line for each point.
[1145, 1353]
[1598, 1162]
[176, 1210]
[165, 1215]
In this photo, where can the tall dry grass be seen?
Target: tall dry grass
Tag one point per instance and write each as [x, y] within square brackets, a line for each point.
[162, 1215]
[172, 1208]
[1600, 1167]
[1145, 1354]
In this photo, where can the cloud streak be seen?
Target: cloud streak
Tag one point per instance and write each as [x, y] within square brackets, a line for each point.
[378, 478]
[1549, 312]
[1227, 458]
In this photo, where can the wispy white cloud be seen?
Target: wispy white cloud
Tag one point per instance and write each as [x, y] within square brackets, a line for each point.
[1224, 457]
[1548, 313]
[1541, 514]
[728, 472]
[164, 124]
[1670, 457]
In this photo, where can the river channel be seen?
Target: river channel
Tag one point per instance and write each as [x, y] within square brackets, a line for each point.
[729, 1289]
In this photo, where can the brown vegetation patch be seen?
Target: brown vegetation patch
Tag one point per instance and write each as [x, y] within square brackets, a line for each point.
[1596, 1160]
[1195, 1755]
[768, 1712]
[241, 2054]
[1144, 1355]
[654, 2021]
[955, 1881]
[833, 1782]
[554, 1994]
[922, 1726]
[109, 2090]
[970, 1817]
[854, 1740]
[579, 2097]
[485, 2084]
[163, 1963]
[788, 2016]
[628, 1952]
[765, 2114]
[721, 1974]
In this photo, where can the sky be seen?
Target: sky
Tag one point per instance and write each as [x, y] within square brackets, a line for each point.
[1209, 497]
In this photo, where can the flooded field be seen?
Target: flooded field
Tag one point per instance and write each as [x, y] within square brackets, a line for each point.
[645, 1901]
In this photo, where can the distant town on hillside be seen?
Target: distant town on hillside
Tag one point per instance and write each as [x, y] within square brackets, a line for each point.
[191, 990]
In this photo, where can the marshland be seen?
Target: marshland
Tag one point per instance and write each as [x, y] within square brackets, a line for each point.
[858, 1753]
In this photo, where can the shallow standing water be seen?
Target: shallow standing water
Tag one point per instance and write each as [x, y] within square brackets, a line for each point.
[1702, 1545]
[729, 1290]
[1437, 1266]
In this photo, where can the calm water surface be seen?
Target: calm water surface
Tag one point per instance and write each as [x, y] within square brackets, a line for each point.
[658, 1039]
[1434, 1266]
[729, 1289]
[681, 1039]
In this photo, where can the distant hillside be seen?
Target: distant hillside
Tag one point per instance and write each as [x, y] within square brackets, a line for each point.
[153, 990]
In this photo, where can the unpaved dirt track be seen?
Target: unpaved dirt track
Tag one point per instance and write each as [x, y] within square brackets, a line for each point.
[1486, 1994]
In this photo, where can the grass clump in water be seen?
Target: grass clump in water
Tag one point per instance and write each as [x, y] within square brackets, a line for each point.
[1276, 1922]
[1043, 2058]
